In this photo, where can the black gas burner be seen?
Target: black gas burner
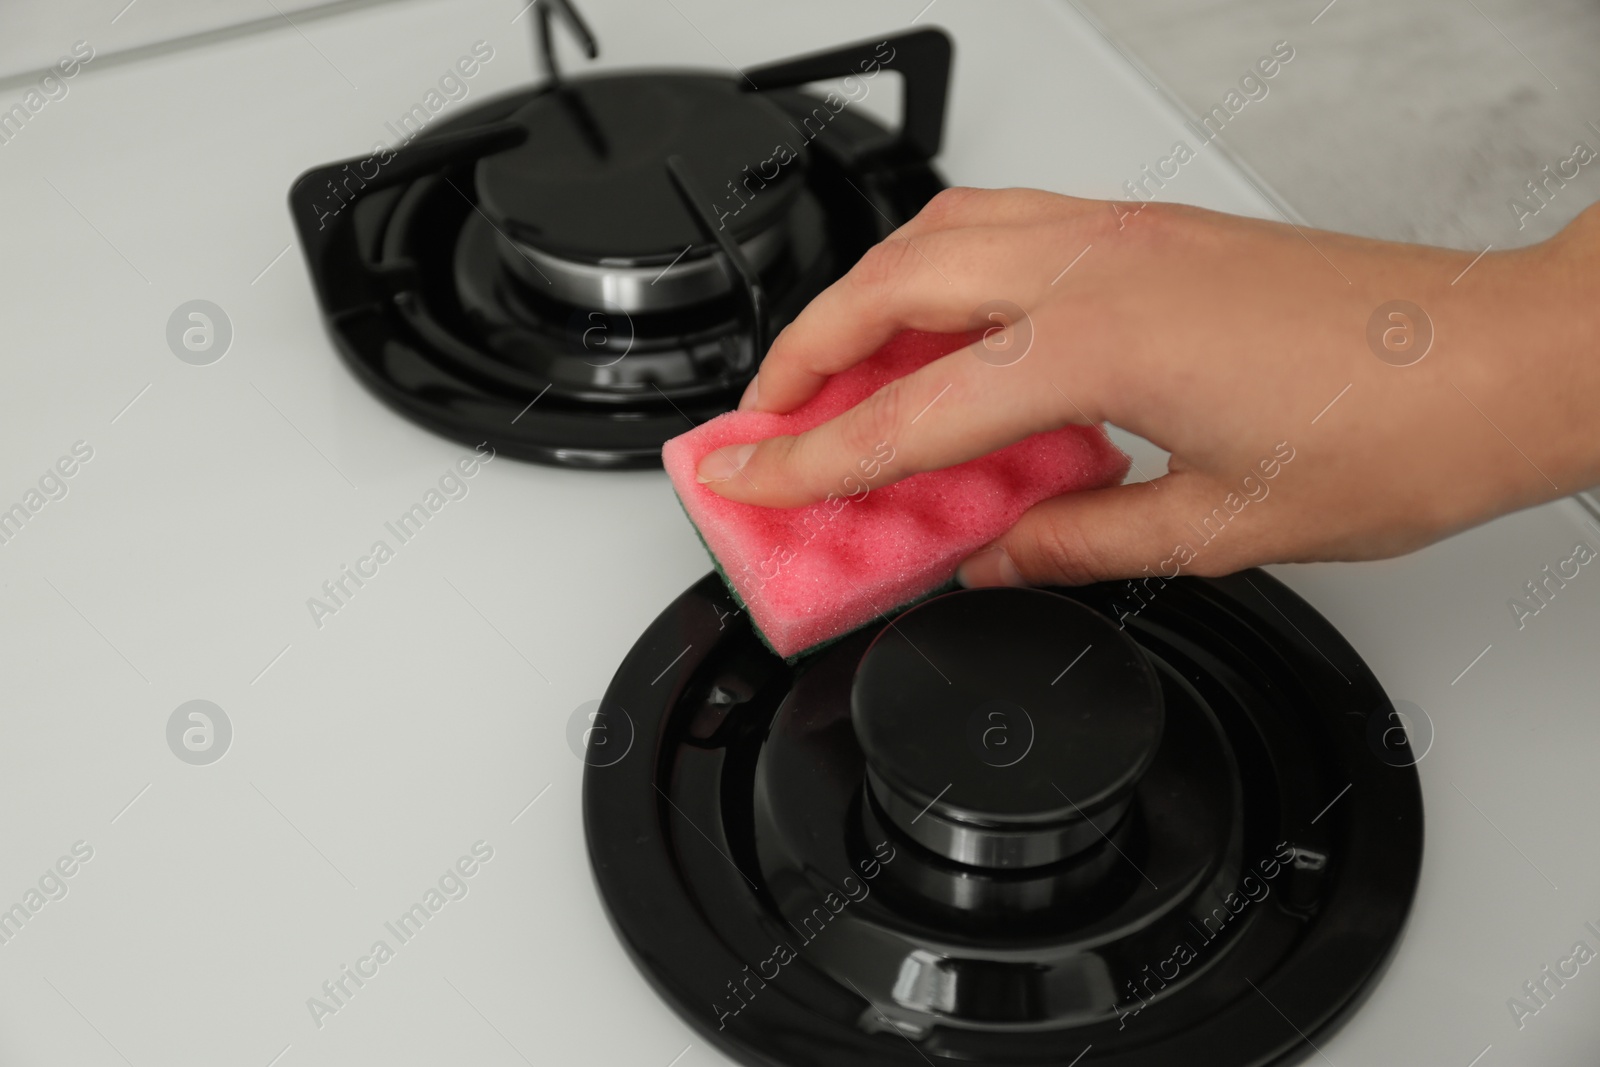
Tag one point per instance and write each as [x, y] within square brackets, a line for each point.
[578, 271]
[1008, 827]
[591, 211]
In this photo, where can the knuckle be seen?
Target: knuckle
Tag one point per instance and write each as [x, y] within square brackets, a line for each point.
[1036, 203]
[883, 266]
[949, 205]
[1160, 217]
[810, 469]
[831, 458]
[788, 460]
[874, 419]
[1111, 218]
[1149, 220]
[1058, 551]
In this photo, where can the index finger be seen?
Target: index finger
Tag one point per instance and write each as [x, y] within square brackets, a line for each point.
[932, 283]
[959, 407]
[926, 275]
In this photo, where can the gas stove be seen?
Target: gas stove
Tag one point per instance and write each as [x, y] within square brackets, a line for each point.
[1009, 826]
[283, 796]
[614, 248]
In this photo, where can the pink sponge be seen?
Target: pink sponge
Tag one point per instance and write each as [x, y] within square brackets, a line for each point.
[810, 574]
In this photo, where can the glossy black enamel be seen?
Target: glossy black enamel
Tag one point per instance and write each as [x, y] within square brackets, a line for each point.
[1227, 915]
[588, 182]
[1007, 708]
[457, 273]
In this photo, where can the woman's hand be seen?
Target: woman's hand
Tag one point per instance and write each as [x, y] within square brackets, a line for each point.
[1305, 421]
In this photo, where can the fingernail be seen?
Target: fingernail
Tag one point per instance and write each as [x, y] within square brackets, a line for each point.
[724, 463]
[751, 391]
[989, 568]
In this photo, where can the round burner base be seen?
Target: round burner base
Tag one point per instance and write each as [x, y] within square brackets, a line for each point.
[411, 275]
[1230, 916]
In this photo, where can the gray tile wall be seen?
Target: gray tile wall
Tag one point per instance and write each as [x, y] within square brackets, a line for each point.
[1416, 120]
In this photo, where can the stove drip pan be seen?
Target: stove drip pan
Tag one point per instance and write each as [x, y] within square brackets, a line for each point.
[1008, 827]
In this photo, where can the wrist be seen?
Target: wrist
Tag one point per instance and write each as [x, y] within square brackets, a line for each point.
[1516, 380]
[1568, 342]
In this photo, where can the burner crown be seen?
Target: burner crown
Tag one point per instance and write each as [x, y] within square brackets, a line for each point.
[590, 183]
[1005, 727]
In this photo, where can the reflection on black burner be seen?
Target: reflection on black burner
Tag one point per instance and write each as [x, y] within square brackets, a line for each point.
[1151, 880]
[578, 271]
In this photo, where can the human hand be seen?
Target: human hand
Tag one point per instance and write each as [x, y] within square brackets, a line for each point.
[1241, 347]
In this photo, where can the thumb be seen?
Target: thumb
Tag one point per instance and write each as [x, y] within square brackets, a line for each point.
[1098, 535]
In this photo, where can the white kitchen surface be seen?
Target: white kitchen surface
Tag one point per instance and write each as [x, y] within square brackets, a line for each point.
[431, 712]
[36, 34]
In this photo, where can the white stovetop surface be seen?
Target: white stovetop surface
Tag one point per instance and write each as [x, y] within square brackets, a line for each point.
[369, 754]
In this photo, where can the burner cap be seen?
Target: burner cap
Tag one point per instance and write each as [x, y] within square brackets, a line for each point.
[590, 182]
[1005, 727]
[1220, 877]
